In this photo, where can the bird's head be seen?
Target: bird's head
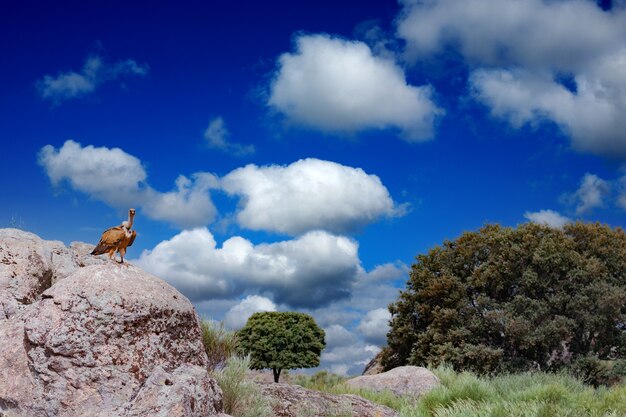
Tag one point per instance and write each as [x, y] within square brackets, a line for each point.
[131, 212]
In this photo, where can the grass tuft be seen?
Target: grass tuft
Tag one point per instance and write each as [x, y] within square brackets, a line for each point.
[241, 397]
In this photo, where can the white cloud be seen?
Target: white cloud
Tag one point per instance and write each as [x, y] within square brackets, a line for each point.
[339, 86]
[306, 195]
[217, 135]
[312, 270]
[591, 194]
[519, 53]
[238, 315]
[348, 360]
[375, 326]
[337, 335]
[592, 116]
[548, 217]
[119, 179]
[71, 84]
[189, 205]
[108, 174]
[560, 35]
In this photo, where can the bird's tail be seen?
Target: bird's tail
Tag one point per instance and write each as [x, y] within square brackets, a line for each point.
[99, 250]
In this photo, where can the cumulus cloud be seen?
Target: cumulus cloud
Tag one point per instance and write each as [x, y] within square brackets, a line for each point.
[217, 135]
[339, 86]
[591, 194]
[119, 179]
[375, 326]
[562, 35]
[348, 360]
[306, 195]
[548, 217]
[312, 270]
[238, 315]
[520, 52]
[337, 336]
[71, 84]
[591, 116]
[108, 174]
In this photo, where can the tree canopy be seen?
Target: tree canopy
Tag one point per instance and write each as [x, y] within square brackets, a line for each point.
[511, 299]
[282, 340]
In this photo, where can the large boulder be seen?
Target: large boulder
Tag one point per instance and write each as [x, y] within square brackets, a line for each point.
[30, 265]
[108, 340]
[404, 381]
[295, 401]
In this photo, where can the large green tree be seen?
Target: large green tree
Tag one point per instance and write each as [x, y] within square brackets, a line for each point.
[510, 299]
[282, 340]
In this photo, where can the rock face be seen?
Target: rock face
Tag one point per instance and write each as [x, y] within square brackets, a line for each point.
[374, 367]
[29, 265]
[403, 380]
[104, 340]
[295, 401]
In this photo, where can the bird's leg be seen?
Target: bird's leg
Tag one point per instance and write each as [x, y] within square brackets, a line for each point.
[122, 253]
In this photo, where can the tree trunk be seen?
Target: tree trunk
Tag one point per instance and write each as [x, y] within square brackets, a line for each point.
[276, 374]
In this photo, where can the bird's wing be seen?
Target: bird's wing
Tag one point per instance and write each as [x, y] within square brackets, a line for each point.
[132, 238]
[110, 239]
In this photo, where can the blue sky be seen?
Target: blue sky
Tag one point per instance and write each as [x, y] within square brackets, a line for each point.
[299, 156]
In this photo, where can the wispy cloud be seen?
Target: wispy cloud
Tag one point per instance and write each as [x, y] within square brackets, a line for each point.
[548, 217]
[72, 84]
[217, 137]
[592, 193]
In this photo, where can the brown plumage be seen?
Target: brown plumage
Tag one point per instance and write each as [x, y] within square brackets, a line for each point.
[117, 239]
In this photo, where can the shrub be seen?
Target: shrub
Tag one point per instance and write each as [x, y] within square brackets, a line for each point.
[219, 343]
[241, 397]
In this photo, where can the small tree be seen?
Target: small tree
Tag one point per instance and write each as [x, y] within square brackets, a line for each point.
[282, 340]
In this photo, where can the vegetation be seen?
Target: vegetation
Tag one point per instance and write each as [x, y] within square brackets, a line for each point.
[219, 343]
[282, 340]
[241, 397]
[516, 299]
[527, 394]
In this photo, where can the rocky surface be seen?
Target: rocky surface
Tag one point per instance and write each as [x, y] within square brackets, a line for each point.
[403, 380]
[374, 367]
[29, 265]
[295, 401]
[103, 340]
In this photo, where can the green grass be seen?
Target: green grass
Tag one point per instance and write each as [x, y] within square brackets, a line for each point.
[219, 343]
[518, 395]
[241, 397]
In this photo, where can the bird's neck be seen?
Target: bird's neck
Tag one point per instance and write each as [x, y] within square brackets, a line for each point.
[130, 221]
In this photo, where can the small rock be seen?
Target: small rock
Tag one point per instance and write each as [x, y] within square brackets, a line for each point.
[403, 380]
[296, 401]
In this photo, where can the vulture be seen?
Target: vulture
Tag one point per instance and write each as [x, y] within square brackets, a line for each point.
[117, 239]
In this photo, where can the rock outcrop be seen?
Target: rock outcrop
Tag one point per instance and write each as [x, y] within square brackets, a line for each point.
[104, 340]
[296, 401]
[29, 265]
[404, 380]
[374, 367]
